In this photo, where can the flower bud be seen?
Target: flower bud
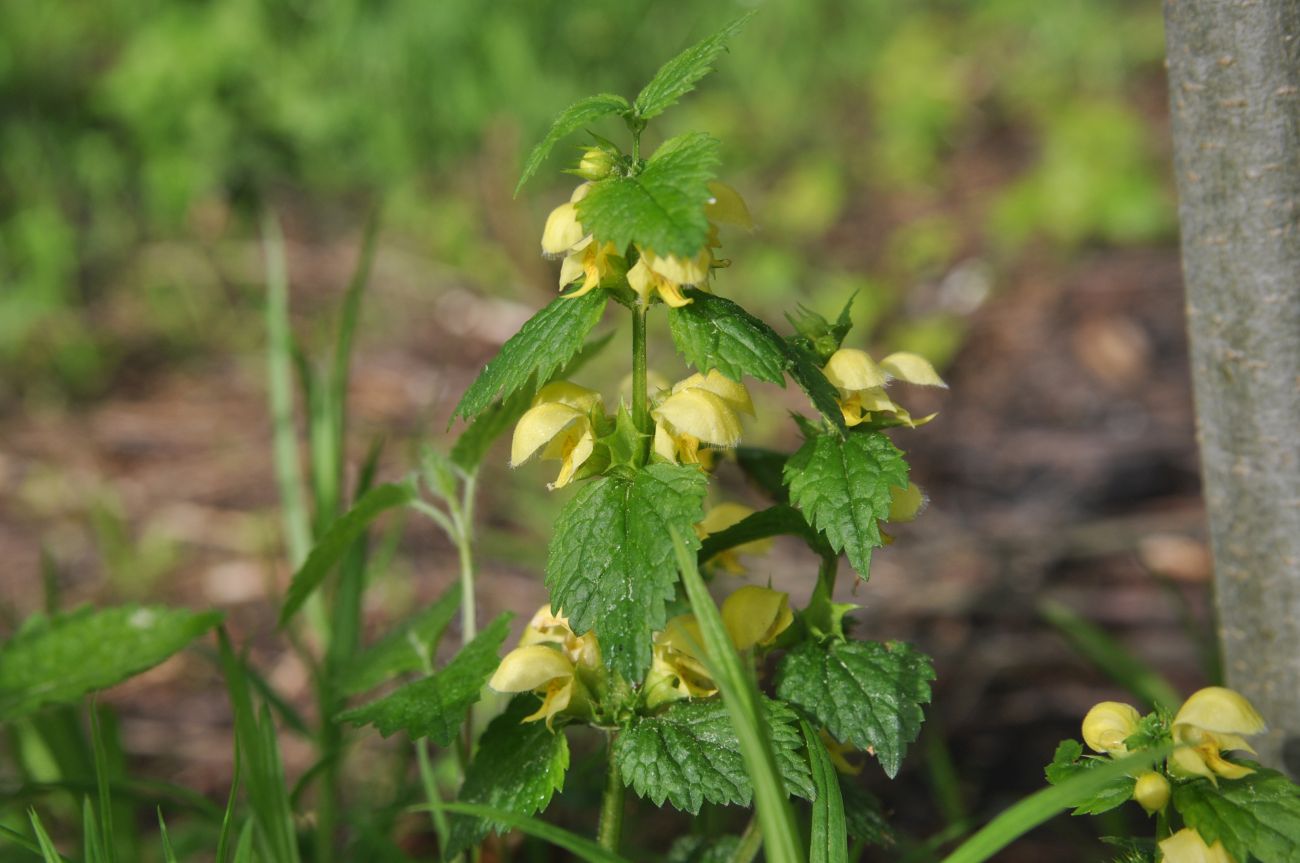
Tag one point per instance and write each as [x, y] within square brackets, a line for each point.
[1151, 791]
[1108, 725]
[596, 163]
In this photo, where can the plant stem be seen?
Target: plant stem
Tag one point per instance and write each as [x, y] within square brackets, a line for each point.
[610, 831]
[464, 523]
[432, 797]
[640, 410]
[750, 841]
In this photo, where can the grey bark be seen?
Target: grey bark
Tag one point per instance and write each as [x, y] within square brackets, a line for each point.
[1234, 92]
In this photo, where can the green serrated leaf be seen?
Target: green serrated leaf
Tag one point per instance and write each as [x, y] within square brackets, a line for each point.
[544, 344]
[610, 565]
[689, 754]
[679, 75]
[713, 332]
[703, 849]
[842, 486]
[1256, 817]
[339, 537]
[660, 209]
[1069, 761]
[864, 692]
[773, 521]
[517, 768]
[405, 647]
[570, 120]
[435, 706]
[88, 649]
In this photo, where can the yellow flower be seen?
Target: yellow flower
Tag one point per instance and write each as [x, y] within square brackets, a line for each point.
[677, 669]
[1151, 791]
[905, 504]
[1108, 725]
[1187, 846]
[1211, 721]
[542, 669]
[702, 409]
[583, 257]
[560, 421]
[755, 616]
[862, 383]
[726, 207]
[546, 627]
[667, 275]
[718, 519]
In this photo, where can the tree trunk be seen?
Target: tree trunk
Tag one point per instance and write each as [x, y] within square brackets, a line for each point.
[1234, 93]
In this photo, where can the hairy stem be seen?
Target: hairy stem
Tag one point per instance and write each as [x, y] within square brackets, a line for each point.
[640, 408]
[610, 831]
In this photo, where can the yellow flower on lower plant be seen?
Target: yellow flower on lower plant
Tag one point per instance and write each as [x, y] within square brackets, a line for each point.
[547, 627]
[543, 669]
[861, 383]
[677, 668]
[584, 258]
[559, 425]
[1213, 720]
[1187, 846]
[718, 519]
[702, 409]
[1108, 724]
[755, 616]
[667, 275]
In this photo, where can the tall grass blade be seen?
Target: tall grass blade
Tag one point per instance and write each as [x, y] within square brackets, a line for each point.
[19, 839]
[48, 852]
[261, 758]
[244, 849]
[775, 816]
[102, 786]
[228, 819]
[351, 314]
[169, 854]
[92, 841]
[829, 835]
[576, 845]
[279, 376]
[1116, 661]
[1043, 805]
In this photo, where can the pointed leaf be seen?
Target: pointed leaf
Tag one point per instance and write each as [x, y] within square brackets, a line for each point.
[544, 344]
[405, 648]
[864, 693]
[610, 566]
[679, 75]
[435, 706]
[570, 120]
[842, 486]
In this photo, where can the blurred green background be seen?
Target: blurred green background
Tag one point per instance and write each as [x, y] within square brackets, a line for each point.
[919, 150]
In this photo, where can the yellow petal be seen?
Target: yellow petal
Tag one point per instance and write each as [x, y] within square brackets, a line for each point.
[726, 207]
[538, 426]
[565, 393]
[721, 517]
[905, 504]
[573, 447]
[851, 369]
[580, 193]
[682, 634]
[665, 446]
[732, 392]
[1187, 846]
[681, 271]
[702, 415]
[1108, 725]
[756, 616]
[641, 280]
[874, 400]
[527, 668]
[571, 270]
[1219, 709]
[912, 369]
[563, 231]
[671, 294]
[1186, 763]
[556, 698]
[1152, 791]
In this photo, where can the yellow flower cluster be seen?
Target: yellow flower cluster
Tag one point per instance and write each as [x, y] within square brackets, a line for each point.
[1213, 720]
[861, 383]
[550, 660]
[754, 617]
[559, 425]
[702, 409]
[664, 276]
